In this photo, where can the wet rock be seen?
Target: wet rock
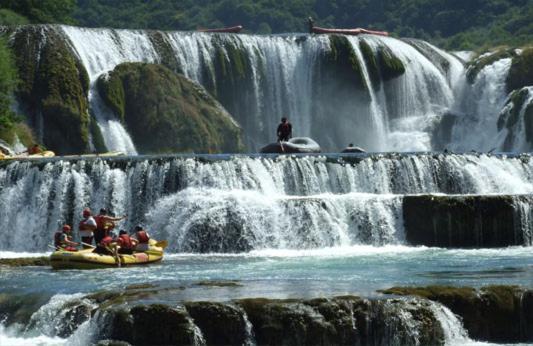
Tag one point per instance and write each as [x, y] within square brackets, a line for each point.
[152, 325]
[493, 313]
[463, 221]
[521, 71]
[221, 324]
[25, 261]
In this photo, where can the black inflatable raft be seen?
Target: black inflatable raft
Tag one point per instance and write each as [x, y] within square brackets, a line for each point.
[294, 145]
[352, 149]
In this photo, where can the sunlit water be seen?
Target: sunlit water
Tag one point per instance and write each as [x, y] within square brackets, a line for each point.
[359, 270]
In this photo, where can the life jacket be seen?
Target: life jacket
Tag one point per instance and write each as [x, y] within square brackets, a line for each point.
[106, 241]
[125, 241]
[142, 237]
[100, 222]
[57, 239]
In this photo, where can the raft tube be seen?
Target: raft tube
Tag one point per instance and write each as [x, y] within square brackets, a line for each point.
[295, 145]
[356, 31]
[353, 150]
[231, 29]
[87, 259]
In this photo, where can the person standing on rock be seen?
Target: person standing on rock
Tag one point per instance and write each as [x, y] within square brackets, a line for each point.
[284, 130]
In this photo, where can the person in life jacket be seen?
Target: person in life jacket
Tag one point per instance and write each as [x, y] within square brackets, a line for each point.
[87, 226]
[142, 237]
[34, 149]
[63, 239]
[284, 130]
[104, 225]
[107, 246]
[126, 243]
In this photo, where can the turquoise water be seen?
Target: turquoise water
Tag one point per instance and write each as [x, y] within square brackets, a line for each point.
[359, 270]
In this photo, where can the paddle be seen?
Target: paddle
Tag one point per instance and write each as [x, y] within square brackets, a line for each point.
[89, 245]
[281, 145]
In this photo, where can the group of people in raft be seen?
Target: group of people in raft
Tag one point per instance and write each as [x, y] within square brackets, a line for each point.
[99, 228]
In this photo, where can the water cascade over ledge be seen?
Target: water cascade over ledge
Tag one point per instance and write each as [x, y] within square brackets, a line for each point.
[243, 203]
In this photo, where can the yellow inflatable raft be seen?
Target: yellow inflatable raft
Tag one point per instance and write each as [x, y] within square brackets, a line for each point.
[87, 259]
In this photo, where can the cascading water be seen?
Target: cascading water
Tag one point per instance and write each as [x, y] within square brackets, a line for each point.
[273, 76]
[307, 202]
[482, 103]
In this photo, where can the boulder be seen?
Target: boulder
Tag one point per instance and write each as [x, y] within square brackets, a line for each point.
[166, 112]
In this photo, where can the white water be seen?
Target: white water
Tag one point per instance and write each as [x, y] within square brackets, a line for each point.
[481, 105]
[280, 203]
[281, 81]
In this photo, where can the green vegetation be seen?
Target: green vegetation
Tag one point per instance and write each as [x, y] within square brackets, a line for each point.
[165, 112]
[37, 11]
[55, 89]
[450, 24]
[10, 124]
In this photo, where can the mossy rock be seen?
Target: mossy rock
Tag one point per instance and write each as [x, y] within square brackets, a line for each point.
[510, 117]
[97, 137]
[25, 261]
[166, 112]
[343, 62]
[528, 121]
[521, 71]
[54, 87]
[476, 65]
[389, 64]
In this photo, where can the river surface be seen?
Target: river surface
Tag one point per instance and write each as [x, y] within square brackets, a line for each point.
[358, 270]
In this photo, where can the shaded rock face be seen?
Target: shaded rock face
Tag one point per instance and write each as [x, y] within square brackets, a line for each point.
[53, 90]
[165, 112]
[521, 72]
[465, 221]
[517, 118]
[493, 313]
[337, 321]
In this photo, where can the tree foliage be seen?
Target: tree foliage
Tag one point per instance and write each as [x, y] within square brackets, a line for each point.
[8, 82]
[42, 11]
[457, 24]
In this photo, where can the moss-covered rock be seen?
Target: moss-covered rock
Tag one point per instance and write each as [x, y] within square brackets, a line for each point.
[343, 62]
[493, 313]
[25, 261]
[54, 87]
[389, 64]
[521, 71]
[165, 112]
[462, 221]
[476, 65]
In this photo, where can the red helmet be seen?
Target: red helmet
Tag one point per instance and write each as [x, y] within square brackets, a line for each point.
[86, 212]
[66, 228]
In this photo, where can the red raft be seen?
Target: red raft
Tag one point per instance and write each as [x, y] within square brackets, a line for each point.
[231, 29]
[357, 31]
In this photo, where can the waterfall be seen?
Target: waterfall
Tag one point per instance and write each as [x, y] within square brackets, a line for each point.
[285, 202]
[100, 50]
[259, 79]
[481, 104]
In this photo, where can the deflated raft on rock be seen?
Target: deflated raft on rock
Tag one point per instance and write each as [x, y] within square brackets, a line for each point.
[231, 29]
[303, 145]
[357, 31]
[87, 259]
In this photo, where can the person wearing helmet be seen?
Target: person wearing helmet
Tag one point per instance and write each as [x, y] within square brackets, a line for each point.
[284, 130]
[86, 227]
[63, 239]
[104, 224]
